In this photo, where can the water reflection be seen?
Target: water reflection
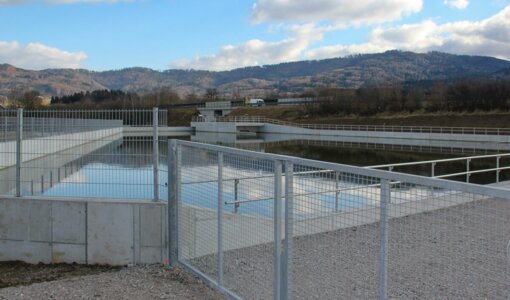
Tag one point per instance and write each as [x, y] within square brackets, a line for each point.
[122, 168]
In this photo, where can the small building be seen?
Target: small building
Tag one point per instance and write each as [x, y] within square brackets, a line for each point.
[211, 110]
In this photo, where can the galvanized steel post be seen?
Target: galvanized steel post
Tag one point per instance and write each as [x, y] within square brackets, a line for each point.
[220, 219]
[19, 143]
[174, 194]
[337, 192]
[497, 168]
[289, 232]
[383, 255]
[277, 218]
[236, 195]
[155, 152]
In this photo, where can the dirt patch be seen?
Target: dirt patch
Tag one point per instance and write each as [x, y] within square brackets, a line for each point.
[139, 282]
[19, 273]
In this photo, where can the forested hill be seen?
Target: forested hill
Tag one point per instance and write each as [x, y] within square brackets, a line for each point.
[348, 72]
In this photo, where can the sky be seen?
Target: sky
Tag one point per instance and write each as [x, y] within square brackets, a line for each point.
[227, 34]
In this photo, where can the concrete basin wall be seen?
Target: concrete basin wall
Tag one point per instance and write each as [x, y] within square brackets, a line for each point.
[273, 128]
[224, 127]
[37, 230]
[39, 147]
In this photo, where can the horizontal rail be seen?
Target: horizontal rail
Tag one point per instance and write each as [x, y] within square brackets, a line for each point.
[438, 161]
[382, 128]
[335, 167]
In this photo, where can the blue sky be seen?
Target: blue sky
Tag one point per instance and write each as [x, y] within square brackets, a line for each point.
[221, 34]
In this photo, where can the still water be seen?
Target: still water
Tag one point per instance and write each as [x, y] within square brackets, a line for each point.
[123, 169]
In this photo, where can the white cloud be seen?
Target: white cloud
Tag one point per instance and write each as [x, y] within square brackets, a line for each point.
[256, 52]
[458, 4]
[341, 12]
[38, 56]
[489, 37]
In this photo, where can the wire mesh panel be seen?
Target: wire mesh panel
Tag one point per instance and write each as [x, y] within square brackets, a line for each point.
[248, 225]
[284, 227]
[81, 153]
[198, 219]
[8, 131]
[447, 244]
[336, 238]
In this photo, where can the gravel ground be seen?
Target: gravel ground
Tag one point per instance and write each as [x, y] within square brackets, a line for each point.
[141, 282]
[453, 253]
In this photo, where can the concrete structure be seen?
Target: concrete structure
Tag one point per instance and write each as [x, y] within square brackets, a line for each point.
[215, 109]
[162, 131]
[39, 147]
[82, 231]
[275, 132]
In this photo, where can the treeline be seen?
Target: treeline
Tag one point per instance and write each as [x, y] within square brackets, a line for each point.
[462, 96]
[117, 99]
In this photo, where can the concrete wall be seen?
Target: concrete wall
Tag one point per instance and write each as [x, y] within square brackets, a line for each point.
[405, 138]
[215, 127]
[82, 231]
[162, 131]
[273, 128]
[39, 147]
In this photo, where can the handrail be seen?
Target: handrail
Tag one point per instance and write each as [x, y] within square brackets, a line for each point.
[382, 128]
[433, 163]
[438, 161]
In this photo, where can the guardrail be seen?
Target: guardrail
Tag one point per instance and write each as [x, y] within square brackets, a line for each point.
[467, 160]
[338, 177]
[382, 128]
[395, 234]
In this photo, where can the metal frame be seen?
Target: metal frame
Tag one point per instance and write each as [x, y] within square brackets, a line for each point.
[282, 251]
[467, 160]
[334, 167]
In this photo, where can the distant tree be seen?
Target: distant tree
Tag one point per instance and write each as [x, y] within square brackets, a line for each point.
[27, 99]
[31, 100]
[211, 94]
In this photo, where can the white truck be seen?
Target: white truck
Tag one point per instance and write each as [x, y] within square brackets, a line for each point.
[255, 102]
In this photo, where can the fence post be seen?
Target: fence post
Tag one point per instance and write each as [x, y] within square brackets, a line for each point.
[497, 168]
[337, 192]
[19, 143]
[155, 152]
[174, 188]
[277, 230]
[383, 258]
[220, 219]
[236, 195]
[289, 232]
[468, 161]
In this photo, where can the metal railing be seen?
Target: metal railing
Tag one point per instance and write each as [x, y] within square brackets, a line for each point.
[467, 161]
[391, 235]
[382, 128]
[82, 153]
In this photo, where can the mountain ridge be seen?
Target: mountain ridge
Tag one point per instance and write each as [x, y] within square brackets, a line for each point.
[391, 67]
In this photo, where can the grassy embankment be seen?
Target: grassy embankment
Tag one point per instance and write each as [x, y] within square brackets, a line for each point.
[298, 114]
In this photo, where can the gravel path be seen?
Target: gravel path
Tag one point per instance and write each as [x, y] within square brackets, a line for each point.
[141, 282]
[452, 253]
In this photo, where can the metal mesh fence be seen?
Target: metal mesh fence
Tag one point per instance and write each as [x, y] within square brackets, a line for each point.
[83, 154]
[295, 228]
